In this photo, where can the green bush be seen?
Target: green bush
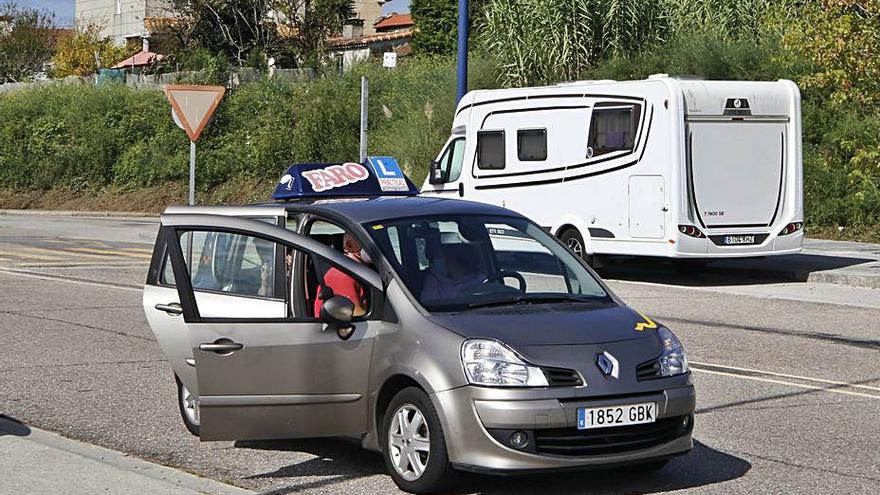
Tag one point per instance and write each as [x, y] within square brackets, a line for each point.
[86, 138]
[73, 136]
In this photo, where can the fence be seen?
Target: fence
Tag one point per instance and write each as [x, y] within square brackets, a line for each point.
[245, 75]
[235, 79]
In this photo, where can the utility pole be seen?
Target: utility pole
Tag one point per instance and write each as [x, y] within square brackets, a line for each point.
[365, 95]
[462, 49]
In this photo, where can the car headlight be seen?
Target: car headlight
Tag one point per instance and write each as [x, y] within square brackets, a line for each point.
[673, 361]
[489, 362]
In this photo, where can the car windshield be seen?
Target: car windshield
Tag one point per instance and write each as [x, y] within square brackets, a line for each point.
[461, 262]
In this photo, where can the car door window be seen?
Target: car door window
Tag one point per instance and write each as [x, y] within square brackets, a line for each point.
[452, 159]
[319, 275]
[231, 264]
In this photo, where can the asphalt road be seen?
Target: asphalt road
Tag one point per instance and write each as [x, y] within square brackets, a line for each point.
[788, 380]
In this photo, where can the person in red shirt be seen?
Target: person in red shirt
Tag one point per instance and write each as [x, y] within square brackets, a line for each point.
[341, 283]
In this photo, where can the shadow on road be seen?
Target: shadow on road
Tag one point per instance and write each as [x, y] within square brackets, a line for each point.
[11, 426]
[342, 460]
[726, 272]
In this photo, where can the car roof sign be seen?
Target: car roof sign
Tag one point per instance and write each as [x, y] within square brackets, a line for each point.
[379, 176]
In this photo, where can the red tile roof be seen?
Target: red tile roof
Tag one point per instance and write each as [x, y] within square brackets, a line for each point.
[341, 42]
[394, 21]
[139, 59]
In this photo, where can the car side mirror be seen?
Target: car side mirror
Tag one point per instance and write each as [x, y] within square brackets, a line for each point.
[436, 174]
[337, 312]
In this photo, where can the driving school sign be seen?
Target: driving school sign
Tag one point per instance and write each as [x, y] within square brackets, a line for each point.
[334, 176]
[379, 176]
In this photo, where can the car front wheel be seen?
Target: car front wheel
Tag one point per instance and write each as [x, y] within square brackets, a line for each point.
[413, 444]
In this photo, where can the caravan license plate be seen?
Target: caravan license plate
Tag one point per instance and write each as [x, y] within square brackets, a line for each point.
[739, 239]
[601, 417]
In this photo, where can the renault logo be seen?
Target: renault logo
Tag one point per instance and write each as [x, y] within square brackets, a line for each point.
[608, 364]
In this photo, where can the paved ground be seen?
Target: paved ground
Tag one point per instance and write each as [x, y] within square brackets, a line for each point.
[788, 376]
[79, 467]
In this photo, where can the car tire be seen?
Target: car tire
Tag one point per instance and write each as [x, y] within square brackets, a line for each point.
[188, 406]
[416, 458]
[575, 242]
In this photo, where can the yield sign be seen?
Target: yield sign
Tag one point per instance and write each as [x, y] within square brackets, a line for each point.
[194, 105]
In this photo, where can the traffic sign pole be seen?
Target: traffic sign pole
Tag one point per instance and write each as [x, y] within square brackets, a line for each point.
[192, 173]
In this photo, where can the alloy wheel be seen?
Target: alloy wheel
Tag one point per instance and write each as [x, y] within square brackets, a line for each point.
[409, 442]
[575, 245]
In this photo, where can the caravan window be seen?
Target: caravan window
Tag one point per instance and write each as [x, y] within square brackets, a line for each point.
[531, 145]
[490, 150]
[613, 128]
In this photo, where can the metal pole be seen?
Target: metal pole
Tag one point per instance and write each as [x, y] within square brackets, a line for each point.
[192, 173]
[365, 95]
[462, 49]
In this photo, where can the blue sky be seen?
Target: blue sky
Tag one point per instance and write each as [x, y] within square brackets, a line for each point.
[64, 9]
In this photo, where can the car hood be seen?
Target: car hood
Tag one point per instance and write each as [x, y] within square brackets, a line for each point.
[549, 324]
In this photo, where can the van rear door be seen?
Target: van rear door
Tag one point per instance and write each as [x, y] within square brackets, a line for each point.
[735, 172]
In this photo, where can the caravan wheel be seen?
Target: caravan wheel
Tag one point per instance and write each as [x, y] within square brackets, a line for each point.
[573, 239]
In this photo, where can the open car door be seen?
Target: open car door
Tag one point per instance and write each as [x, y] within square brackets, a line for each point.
[162, 303]
[263, 370]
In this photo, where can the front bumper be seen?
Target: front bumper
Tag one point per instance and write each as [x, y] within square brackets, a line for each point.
[477, 419]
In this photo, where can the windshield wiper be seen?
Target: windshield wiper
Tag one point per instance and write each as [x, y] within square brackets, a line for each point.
[532, 299]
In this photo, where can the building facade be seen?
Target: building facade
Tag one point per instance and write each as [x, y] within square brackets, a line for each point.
[121, 20]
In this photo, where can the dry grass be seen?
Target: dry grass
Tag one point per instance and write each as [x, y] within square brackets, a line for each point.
[148, 200]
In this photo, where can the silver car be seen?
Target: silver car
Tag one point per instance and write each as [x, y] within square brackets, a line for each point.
[484, 344]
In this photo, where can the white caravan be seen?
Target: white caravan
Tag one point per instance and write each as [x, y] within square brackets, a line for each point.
[660, 167]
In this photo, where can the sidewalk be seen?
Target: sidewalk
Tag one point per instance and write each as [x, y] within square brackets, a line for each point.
[40, 462]
[852, 264]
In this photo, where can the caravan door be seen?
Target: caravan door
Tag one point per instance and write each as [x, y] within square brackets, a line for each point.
[647, 202]
[736, 171]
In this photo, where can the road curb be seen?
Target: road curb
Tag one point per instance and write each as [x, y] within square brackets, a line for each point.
[124, 464]
[78, 213]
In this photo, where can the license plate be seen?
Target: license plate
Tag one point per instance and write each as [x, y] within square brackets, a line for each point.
[739, 239]
[601, 417]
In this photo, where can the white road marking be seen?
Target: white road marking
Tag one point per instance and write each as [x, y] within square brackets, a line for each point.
[790, 384]
[68, 280]
[838, 295]
[784, 375]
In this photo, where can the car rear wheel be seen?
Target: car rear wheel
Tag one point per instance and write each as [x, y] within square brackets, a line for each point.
[413, 445]
[189, 407]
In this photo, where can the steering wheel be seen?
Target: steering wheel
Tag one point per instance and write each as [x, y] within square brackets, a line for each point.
[502, 274]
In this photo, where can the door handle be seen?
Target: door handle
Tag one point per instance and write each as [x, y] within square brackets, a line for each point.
[173, 309]
[222, 346]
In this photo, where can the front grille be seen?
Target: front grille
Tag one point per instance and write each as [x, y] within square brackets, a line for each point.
[610, 440]
[562, 377]
[647, 370]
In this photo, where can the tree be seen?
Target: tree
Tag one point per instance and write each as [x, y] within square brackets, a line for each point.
[841, 39]
[307, 24]
[75, 54]
[242, 29]
[436, 23]
[26, 41]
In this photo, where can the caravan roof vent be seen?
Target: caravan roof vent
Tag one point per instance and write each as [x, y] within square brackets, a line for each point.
[680, 77]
